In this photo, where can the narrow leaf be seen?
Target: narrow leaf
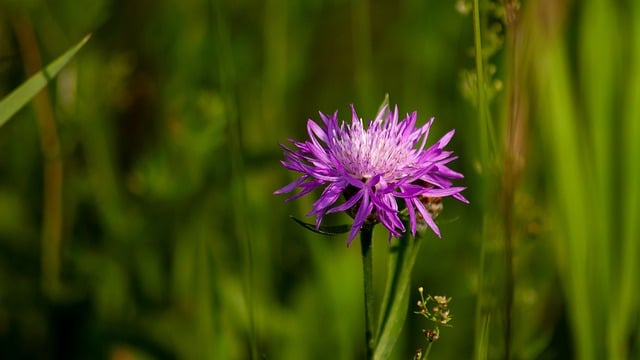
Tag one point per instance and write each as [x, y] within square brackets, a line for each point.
[19, 97]
[328, 230]
[396, 298]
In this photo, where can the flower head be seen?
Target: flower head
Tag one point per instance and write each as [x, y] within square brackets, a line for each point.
[380, 169]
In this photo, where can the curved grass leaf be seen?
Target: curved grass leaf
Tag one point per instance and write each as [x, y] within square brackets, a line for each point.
[19, 97]
[328, 230]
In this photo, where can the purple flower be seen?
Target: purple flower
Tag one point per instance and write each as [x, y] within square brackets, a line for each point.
[383, 171]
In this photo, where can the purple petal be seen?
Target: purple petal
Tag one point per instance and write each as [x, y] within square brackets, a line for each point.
[461, 198]
[412, 216]
[427, 217]
[409, 190]
[363, 212]
[291, 186]
[445, 139]
[349, 203]
[328, 197]
[435, 192]
[307, 188]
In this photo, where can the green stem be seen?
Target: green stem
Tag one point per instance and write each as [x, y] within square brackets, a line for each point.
[481, 332]
[483, 109]
[366, 234]
[425, 356]
[227, 75]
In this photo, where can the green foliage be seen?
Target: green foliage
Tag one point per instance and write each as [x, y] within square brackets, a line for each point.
[402, 257]
[173, 246]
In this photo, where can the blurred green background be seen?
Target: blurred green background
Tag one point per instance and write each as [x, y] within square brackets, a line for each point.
[137, 219]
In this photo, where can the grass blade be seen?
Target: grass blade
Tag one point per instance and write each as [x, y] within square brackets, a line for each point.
[19, 97]
[396, 298]
[627, 308]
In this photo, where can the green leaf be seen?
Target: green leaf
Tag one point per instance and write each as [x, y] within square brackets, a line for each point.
[393, 311]
[324, 229]
[19, 97]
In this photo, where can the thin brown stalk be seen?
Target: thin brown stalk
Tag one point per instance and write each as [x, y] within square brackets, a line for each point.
[53, 172]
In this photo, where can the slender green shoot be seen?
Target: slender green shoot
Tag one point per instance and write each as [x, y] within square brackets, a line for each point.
[393, 311]
[19, 97]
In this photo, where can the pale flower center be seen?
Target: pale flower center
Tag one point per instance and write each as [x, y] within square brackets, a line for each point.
[377, 150]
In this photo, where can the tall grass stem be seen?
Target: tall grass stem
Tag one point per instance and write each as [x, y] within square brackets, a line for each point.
[53, 169]
[226, 73]
[483, 126]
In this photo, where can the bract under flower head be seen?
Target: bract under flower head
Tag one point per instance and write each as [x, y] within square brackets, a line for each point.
[379, 168]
